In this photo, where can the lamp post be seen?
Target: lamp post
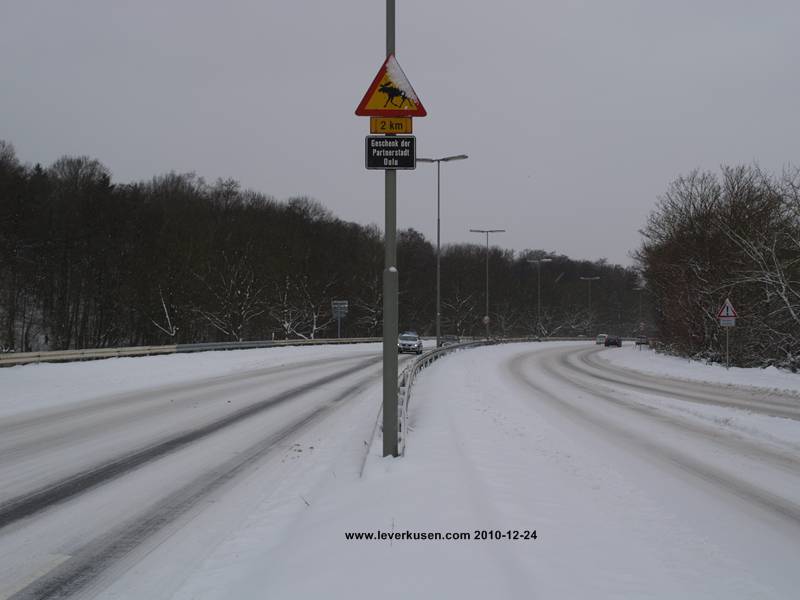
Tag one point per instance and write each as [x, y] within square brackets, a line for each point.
[539, 262]
[640, 289]
[487, 232]
[590, 280]
[439, 162]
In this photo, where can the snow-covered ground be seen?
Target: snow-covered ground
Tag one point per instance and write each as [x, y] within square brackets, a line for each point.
[646, 360]
[764, 382]
[631, 494]
[481, 457]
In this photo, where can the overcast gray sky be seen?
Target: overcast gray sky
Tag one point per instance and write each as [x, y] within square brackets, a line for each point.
[576, 115]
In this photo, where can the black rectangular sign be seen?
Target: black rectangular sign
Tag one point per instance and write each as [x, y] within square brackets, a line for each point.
[391, 152]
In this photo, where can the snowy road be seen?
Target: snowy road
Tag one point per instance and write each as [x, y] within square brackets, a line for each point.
[743, 488]
[639, 486]
[587, 365]
[621, 407]
[92, 486]
[239, 475]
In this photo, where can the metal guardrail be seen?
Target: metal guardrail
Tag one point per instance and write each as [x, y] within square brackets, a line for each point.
[22, 358]
[409, 374]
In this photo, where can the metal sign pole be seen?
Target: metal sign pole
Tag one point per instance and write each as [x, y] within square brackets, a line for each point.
[727, 352]
[727, 319]
[487, 286]
[390, 287]
[438, 254]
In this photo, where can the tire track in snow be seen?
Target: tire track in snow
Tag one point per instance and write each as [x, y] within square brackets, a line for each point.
[737, 486]
[43, 498]
[702, 393]
[85, 567]
[18, 433]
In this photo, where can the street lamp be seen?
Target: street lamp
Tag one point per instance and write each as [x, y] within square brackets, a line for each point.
[439, 162]
[487, 232]
[590, 280]
[539, 262]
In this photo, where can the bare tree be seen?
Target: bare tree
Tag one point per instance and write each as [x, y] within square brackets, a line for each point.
[169, 328]
[460, 311]
[237, 295]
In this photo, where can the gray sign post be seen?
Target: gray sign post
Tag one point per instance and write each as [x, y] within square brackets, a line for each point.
[727, 319]
[390, 96]
[390, 288]
[339, 310]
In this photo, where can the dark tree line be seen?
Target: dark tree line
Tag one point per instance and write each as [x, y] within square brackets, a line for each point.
[86, 262]
[737, 236]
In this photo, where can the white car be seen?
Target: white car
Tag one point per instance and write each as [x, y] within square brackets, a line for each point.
[409, 342]
[601, 339]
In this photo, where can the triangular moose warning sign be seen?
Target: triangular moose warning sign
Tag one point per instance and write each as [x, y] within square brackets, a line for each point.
[390, 94]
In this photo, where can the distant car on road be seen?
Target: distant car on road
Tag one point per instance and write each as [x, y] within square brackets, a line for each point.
[447, 340]
[613, 340]
[409, 342]
[601, 339]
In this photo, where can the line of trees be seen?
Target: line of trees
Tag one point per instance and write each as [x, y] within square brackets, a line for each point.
[86, 262]
[735, 235]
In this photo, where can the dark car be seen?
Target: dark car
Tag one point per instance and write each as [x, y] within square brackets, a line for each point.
[447, 340]
[613, 340]
[409, 342]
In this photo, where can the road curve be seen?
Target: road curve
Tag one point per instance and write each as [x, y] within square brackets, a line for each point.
[765, 402]
[621, 407]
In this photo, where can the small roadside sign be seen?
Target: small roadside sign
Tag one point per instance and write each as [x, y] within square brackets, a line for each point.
[727, 310]
[391, 152]
[390, 94]
[727, 319]
[339, 308]
[389, 125]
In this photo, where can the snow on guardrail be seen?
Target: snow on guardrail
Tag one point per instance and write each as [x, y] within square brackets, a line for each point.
[409, 374]
[406, 380]
[22, 358]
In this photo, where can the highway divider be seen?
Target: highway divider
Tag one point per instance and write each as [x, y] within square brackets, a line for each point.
[22, 358]
[409, 375]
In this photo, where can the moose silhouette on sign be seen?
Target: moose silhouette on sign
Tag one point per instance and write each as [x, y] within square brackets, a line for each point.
[392, 92]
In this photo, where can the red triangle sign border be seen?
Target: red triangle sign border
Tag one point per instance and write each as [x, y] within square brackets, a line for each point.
[363, 111]
[727, 310]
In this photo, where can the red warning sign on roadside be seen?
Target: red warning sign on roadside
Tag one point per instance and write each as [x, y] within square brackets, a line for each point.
[727, 310]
